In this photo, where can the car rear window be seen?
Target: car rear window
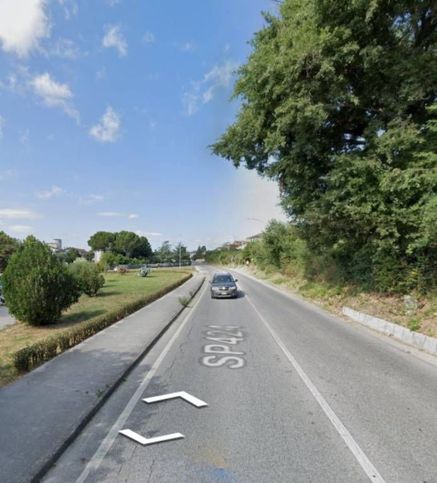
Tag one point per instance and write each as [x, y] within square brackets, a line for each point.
[222, 279]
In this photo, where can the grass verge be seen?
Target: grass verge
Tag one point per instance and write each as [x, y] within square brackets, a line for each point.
[23, 347]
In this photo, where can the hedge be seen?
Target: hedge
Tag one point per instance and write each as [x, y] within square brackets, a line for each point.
[35, 354]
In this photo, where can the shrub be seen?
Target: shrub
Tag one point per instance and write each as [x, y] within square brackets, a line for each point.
[37, 286]
[144, 271]
[87, 276]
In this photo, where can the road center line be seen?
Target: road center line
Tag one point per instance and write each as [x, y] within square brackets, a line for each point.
[355, 449]
[107, 443]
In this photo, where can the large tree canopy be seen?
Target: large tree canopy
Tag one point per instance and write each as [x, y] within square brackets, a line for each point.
[125, 243]
[339, 106]
[102, 240]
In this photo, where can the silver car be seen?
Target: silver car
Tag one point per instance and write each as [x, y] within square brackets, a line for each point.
[223, 285]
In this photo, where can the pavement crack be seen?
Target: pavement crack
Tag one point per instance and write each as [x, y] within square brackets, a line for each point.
[151, 469]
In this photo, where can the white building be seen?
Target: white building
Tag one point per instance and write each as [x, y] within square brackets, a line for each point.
[55, 245]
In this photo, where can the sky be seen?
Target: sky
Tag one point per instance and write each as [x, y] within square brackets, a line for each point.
[107, 109]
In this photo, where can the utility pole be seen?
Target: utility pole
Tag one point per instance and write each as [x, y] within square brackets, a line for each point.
[180, 247]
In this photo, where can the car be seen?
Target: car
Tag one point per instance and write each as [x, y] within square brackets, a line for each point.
[223, 285]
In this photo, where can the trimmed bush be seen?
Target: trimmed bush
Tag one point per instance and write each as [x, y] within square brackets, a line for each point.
[35, 354]
[37, 286]
[87, 276]
[144, 271]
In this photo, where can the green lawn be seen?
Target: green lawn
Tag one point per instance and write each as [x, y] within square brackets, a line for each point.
[119, 290]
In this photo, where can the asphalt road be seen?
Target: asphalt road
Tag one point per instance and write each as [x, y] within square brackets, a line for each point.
[293, 395]
[5, 318]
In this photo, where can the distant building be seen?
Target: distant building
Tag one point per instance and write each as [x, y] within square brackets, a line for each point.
[254, 237]
[55, 245]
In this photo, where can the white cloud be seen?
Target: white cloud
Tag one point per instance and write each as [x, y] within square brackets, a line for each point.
[2, 125]
[7, 174]
[70, 8]
[148, 233]
[112, 3]
[90, 199]
[107, 129]
[54, 94]
[17, 214]
[110, 214]
[204, 91]
[22, 25]
[117, 214]
[20, 228]
[65, 49]
[51, 193]
[148, 38]
[101, 73]
[114, 38]
[186, 47]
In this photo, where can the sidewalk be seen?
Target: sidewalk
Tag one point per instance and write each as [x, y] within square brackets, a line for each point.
[42, 411]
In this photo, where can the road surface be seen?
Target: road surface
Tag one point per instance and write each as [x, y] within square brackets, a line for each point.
[5, 318]
[293, 395]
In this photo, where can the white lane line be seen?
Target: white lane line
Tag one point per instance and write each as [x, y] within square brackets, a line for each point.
[174, 395]
[359, 454]
[146, 441]
[106, 444]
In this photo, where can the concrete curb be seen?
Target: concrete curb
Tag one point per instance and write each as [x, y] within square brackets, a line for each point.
[87, 418]
[420, 341]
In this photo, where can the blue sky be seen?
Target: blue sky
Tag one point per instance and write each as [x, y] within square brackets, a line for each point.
[107, 109]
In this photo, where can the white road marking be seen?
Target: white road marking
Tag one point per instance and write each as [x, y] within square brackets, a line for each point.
[106, 444]
[181, 394]
[146, 441]
[359, 454]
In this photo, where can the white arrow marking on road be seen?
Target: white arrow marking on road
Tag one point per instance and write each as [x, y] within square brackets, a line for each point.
[146, 441]
[182, 394]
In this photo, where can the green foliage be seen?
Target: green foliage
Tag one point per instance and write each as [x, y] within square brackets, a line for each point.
[131, 245]
[180, 253]
[414, 325]
[223, 256]
[123, 247]
[33, 355]
[87, 277]
[338, 105]
[102, 240]
[164, 254]
[8, 246]
[37, 286]
[200, 252]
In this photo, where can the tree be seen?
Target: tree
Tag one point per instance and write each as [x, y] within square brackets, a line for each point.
[143, 249]
[181, 253]
[102, 240]
[200, 252]
[8, 246]
[87, 277]
[71, 255]
[37, 286]
[131, 245]
[338, 106]
[164, 254]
